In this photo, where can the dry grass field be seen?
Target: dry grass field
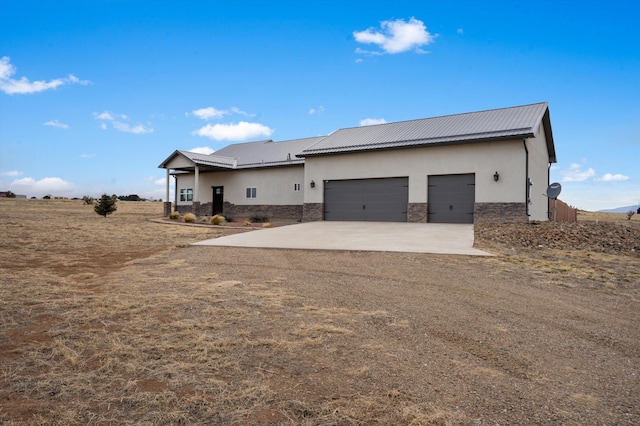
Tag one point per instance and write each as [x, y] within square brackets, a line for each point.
[111, 321]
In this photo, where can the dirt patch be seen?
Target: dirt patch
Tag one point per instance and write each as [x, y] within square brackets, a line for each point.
[118, 320]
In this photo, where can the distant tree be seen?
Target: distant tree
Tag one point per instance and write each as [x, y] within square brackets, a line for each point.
[46, 197]
[106, 205]
[630, 214]
[87, 200]
[132, 197]
[638, 210]
[9, 194]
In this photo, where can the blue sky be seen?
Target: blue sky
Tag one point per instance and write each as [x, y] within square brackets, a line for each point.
[95, 94]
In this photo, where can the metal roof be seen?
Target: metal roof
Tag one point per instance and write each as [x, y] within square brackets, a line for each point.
[498, 124]
[249, 155]
[268, 153]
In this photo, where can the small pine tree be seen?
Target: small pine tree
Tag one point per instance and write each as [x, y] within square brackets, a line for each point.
[106, 205]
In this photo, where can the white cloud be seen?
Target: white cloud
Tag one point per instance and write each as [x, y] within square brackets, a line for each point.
[234, 132]
[202, 150]
[118, 123]
[23, 86]
[161, 181]
[237, 110]
[105, 115]
[56, 123]
[575, 173]
[87, 155]
[372, 121]
[460, 31]
[11, 173]
[138, 129]
[608, 177]
[396, 36]
[209, 113]
[318, 110]
[48, 185]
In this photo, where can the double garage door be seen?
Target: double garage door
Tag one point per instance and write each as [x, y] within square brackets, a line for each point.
[451, 199]
[382, 200]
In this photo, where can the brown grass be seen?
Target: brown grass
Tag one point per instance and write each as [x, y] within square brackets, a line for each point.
[97, 328]
[117, 321]
[584, 216]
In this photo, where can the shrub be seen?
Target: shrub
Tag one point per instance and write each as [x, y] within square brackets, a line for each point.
[218, 219]
[256, 218]
[174, 215]
[190, 218]
[87, 200]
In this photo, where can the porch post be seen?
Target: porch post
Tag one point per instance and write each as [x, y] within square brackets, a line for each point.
[196, 184]
[166, 198]
[167, 201]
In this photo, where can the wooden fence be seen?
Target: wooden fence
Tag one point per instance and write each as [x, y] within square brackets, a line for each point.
[564, 213]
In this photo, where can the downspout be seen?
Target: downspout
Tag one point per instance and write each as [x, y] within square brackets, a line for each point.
[175, 193]
[548, 183]
[526, 182]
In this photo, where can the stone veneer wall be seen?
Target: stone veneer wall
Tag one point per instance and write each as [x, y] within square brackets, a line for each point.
[288, 211]
[167, 208]
[500, 213]
[196, 208]
[312, 212]
[417, 213]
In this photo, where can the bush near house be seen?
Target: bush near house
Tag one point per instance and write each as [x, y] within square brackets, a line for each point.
[190, 218]
[256, 218]
[218, 219]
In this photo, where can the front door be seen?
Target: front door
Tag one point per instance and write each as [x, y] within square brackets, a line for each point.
[218, 199]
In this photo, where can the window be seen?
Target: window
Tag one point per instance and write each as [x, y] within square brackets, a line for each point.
[251, 193]
[186, 194]
[296, 187]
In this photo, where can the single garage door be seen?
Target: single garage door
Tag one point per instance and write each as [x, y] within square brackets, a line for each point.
[451, 198]
[383, 200]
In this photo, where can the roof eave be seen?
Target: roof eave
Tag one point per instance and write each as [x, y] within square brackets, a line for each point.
[372, 147]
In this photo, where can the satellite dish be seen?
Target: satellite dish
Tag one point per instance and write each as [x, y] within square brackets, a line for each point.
[554, 190]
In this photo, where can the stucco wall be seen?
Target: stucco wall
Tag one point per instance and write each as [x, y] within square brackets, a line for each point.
[179, 162]
[539, 174]
[483, 159]
[274, 186]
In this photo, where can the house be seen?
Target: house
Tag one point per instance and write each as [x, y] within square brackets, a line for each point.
[487, 166]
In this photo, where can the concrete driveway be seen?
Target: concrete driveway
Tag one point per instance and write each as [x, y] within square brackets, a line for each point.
[359, 236]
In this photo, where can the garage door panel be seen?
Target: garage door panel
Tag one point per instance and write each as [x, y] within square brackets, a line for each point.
[451, 198]
[367, 199]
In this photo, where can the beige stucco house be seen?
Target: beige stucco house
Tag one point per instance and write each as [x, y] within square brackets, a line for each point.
[487, 166]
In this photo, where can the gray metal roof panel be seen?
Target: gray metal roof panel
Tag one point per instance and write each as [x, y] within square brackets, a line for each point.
[209, 159]
[502, 123]
[267, 153]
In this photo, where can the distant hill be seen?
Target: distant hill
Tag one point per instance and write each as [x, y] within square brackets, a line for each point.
[620, 209]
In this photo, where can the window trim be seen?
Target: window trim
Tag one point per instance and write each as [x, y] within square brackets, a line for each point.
[251, 192]
[186, 194]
